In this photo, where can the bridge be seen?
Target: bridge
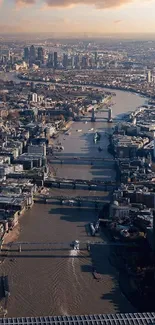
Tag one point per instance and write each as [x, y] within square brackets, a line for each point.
[106, 110]
[50, 246]
[71, 200]
[104, 185]
[78, 159]
[93, 319]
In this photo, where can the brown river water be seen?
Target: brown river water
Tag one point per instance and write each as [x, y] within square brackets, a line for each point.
[60, 281]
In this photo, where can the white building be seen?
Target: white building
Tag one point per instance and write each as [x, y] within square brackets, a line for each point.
[149, 76]
[34, 97]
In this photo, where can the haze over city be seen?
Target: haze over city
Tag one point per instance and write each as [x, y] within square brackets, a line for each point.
[77, 16]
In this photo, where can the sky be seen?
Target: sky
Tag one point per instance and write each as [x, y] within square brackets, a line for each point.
[77, 16]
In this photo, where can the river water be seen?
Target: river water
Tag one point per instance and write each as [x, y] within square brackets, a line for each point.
[60, 282]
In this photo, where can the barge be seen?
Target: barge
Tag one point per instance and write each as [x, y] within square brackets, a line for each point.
[97, 137]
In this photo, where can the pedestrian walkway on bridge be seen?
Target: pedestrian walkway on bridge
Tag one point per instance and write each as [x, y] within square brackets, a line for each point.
[100, 319]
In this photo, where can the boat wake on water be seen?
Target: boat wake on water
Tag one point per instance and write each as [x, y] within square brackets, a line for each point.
[73, 262]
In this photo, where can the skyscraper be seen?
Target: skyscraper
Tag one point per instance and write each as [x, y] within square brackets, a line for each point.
[149, 76]
[26, 54]
[50, 60]
[96, 57]
[55, 60]
[41, 54]
[32, 54]
[65, 61]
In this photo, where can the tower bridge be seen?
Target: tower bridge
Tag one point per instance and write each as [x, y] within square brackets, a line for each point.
[105, 110]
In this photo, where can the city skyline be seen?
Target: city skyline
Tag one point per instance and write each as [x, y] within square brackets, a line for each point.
[77, 16]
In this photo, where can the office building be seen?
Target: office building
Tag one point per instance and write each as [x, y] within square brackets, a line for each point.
[50, 60]
[55, 60]
[26, 54]
[84, 63]
[34, 97]
[32, 54]
[149, 76]
[77, 61]
[96, 57]
[41, 54]
[65, 61]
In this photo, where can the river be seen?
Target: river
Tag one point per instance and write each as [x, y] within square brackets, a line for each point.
[60, 282]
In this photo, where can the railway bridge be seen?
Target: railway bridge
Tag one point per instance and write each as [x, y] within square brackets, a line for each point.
[85, 184]
[93, 319]
[50, 246]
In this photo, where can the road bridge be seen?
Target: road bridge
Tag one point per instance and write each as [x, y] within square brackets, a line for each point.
[104, 185]
[106, 110]
[71, 200]
[77, 159]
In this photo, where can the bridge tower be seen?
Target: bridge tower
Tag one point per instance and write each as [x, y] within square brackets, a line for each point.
[110, 115]
[93, 115]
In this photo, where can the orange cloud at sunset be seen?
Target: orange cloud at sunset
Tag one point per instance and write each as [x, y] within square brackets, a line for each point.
[99, 4]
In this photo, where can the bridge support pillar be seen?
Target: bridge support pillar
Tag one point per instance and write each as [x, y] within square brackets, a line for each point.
[110, 115]
[79, 203]
[59, 185]
[20, 248]
[96, 205]
[74, 186]
[89, 187]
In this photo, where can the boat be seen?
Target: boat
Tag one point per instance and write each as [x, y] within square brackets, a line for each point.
[79, 130]
[76, 245]
[92, 229]
[97, 276]
[86, 122]
[97, 136]
[5, 285]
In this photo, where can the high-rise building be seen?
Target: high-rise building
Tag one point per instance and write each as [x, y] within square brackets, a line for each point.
[65, 61]
[149, 76]
[77, 61]
[55, 60]
[50, 60]
[26, 54]
[32, 54]
[84, 63]
[41, 54]
[96, 57]
[73, 62]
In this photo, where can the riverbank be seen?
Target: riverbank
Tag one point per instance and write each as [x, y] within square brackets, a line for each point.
[71, 84]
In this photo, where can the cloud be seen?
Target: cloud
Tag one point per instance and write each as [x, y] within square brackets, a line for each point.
[118, 21]
[98, 4]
